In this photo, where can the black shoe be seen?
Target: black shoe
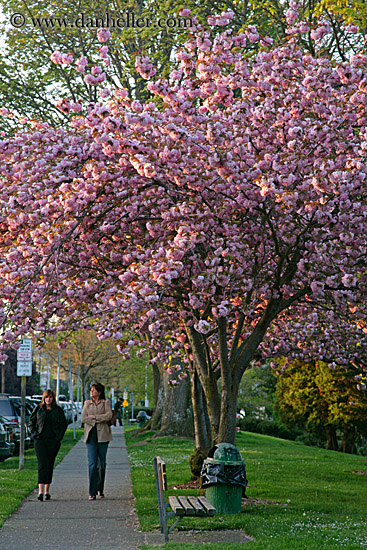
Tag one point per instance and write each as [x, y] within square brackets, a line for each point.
[101, 495]
[40, 497]
[47, 496]
[92, 497]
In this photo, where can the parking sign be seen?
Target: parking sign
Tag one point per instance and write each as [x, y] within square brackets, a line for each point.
[24, 358]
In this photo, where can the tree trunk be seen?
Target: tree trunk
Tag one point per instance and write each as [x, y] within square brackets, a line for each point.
[3, 378]
[177, 418]
[228, 404]
[227, 428]
[222, 406]
[348, 441]
[207, 378]
[155, 422]
[331, 439]
[202, 430]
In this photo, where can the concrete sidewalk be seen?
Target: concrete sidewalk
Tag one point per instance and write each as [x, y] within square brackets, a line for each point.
[69, 521]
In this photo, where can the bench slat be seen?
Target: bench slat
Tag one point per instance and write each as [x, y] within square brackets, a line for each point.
[162, 472]
[189, 510]
[164, 477]
[210, 509]
[198, 507]
[176, 506]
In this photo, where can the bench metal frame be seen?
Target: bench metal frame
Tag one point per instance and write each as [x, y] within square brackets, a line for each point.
[180, 506]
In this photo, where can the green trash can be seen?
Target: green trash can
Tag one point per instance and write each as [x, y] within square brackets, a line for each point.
[223, 476]
[142, 418]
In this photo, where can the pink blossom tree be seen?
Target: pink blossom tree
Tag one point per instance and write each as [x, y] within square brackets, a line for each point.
[222, 220]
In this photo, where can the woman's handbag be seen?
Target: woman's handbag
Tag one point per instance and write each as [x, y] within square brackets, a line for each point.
[112, 422]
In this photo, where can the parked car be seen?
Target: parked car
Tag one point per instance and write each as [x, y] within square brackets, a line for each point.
[10, 410]
[7, 445]
[28, 442]
[36, 398]
[33, 402]
[68, 410]
[10, 426]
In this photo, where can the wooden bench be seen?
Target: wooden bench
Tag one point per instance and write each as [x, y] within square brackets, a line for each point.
[177, 506]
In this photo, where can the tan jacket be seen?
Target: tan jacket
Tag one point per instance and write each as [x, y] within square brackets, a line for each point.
[102, 414]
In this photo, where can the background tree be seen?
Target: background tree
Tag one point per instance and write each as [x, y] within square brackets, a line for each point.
[29, 82]
[322, 400]
[95, 360]
[256, 391]
[132, 376]
[273, 18]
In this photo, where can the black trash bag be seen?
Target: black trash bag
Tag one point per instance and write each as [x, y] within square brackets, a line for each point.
[217, 473]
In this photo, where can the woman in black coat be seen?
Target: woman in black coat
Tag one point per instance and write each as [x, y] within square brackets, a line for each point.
[48, 425]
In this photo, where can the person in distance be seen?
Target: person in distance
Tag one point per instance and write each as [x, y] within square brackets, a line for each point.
[47, 425]
[96, 415]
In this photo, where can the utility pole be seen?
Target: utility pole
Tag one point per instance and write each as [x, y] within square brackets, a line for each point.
[71, 395]
[58, 377]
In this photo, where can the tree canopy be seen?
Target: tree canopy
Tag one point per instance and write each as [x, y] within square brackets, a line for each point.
[237, 205]
[322, 400]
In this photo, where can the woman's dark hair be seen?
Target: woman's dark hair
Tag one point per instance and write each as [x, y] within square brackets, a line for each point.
[48, 393]
[100, 389]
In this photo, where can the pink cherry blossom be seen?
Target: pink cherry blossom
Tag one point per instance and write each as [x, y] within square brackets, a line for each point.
[67, 59]
[103, 35]
[81, 64]
[56, 58]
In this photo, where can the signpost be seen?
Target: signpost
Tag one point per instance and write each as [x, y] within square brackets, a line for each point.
[24, 369]
[71, 397]
[132, 405]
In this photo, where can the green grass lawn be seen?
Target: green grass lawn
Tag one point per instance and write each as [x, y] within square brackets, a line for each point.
[322, 504]
[16, 484]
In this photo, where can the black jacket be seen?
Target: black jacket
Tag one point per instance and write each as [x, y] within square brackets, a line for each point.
[37, 421]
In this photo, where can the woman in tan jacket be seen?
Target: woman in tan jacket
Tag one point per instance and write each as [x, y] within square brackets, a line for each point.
[97, 434]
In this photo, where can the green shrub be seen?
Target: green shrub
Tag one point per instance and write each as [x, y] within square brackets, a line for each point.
[267, 427]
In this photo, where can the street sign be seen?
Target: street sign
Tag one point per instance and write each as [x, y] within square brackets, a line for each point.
[24, 352]
[125, 403]
[24, 368]
[24, 358]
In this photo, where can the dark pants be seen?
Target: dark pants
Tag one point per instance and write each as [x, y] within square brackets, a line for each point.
[97, 453]
[46, 452]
